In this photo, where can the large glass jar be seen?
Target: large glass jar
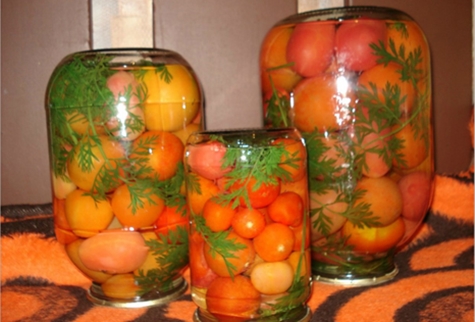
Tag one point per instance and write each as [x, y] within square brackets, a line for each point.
[356, 81]
[249, 233]
[118, 121]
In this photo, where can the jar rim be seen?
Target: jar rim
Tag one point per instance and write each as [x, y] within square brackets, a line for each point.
[124, 50]
[234, 134]
[345, 13]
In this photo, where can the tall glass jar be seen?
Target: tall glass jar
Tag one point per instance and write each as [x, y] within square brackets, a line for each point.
[249, 234]
[356, 81]
[118, 121]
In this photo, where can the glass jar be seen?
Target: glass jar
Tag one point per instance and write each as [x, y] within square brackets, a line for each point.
[356, 82]
[249, 229]
[118, 121]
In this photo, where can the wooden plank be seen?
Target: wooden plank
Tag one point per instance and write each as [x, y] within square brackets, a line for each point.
[122, 23]
[308, 5]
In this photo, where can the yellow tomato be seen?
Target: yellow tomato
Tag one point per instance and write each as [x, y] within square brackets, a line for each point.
[172, 103]
[374, 239]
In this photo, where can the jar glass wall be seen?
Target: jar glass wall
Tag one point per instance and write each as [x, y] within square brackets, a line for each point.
[118, 121]
[356, 82]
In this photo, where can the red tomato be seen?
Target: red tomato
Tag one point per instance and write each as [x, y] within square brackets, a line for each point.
[287, 209]
[353, 39]
[259, 196]
[416, 190]
[374, 239]
[310, 48]
[232, 297]
[207, 160]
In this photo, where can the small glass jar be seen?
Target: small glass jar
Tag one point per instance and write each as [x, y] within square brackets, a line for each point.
[356, 82]
[249, 229]
[118, 122]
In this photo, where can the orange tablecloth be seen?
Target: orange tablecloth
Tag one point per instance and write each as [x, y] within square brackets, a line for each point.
[435, 282]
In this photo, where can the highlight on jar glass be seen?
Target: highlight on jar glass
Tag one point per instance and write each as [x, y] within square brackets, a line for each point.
[356, 82]
[249, 239]
[118, 122]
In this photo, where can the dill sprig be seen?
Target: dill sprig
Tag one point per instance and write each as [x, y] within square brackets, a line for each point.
[171, 255]
[219, 243]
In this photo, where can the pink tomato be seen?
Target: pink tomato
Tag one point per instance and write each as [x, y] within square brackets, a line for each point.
[310, 48]
[353, 40]
[207, 160]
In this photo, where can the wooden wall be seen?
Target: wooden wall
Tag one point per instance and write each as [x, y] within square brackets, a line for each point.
[221, 40]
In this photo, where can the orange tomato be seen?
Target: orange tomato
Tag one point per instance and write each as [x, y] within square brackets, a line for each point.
[300, 262]
[106, 154]
[258, 196]
[197, 196]
[121, 286]
[412, 38]
[374, 239]
[383, 197]
[232, 297]
[301, 236]
[332, 99]
[171, 219]
[81, 124]
[383, 75]
[184, 133]
[59, 217]
[274, 54]
[294, 160]
[288, 209]
[248, 222]
[137, 210]
[274, 243]
[218, 216]
[231, 265]
[414, 148]
[156, 154]
[86, 216]
[200, 273]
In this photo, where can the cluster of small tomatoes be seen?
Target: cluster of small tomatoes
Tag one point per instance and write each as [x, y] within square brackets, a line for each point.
[337, 80]
[265, 227]
[106, 218]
